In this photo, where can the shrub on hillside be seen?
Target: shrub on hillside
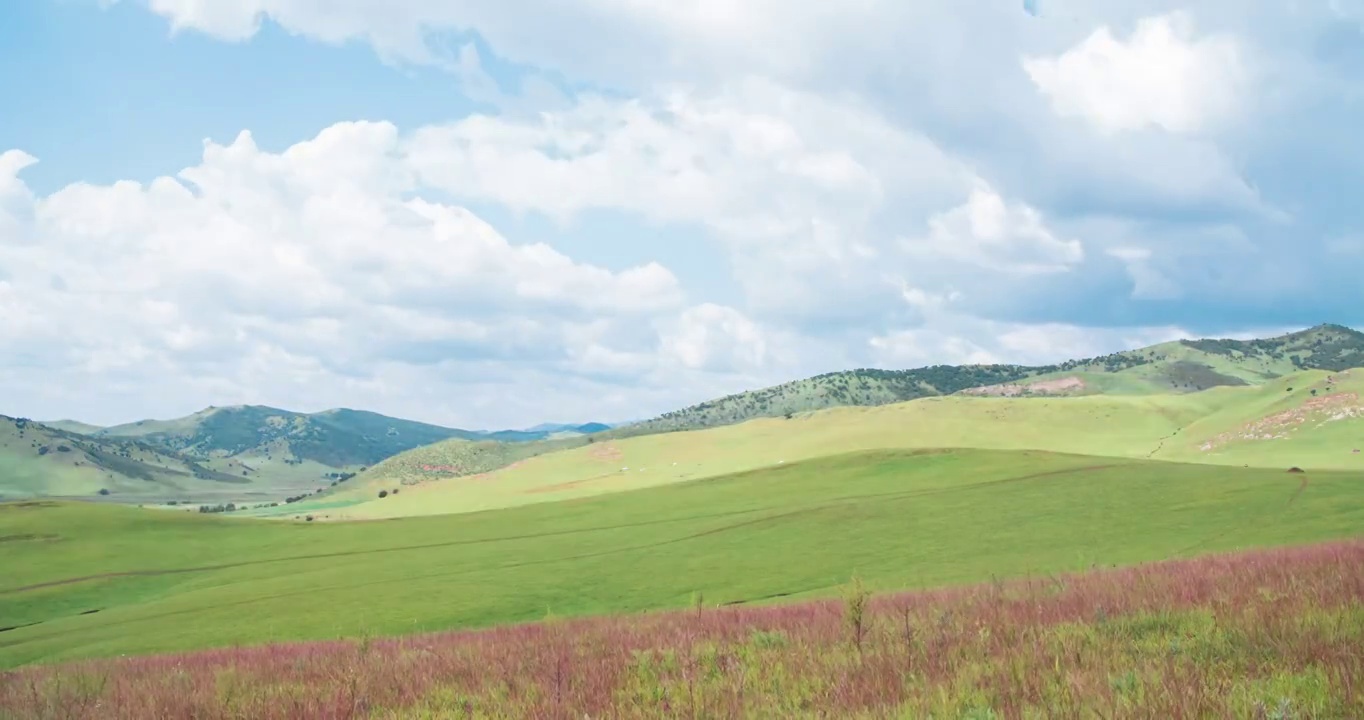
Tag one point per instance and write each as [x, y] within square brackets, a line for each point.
[383, 493]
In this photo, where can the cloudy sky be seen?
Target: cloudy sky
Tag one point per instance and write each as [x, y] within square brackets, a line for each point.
[491, 213]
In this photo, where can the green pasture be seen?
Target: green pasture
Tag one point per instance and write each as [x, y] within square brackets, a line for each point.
[85, 580]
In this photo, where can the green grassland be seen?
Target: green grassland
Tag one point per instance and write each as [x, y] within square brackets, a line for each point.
[1313, 419]
[87, 580]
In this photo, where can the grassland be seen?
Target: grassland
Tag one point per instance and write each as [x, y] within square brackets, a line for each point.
[1268, 634]
[1311, 419]
[170, 581]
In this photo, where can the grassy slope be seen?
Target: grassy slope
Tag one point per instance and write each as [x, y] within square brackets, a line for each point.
[37, 460]
[1180, 366]
[1170, 426]
[897, 518]
[1173, 368]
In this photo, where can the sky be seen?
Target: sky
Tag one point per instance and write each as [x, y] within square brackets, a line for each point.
[494, 213]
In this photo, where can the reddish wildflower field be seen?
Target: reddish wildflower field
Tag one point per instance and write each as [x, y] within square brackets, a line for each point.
[1262, 634]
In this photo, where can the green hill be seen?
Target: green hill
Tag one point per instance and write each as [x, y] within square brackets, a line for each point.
[334, 438]
[266, 454]
[37, 461]
[1179, 366]
[1312, 419]
[1146, 384]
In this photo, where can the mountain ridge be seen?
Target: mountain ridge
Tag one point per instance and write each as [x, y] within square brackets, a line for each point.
[225, 431]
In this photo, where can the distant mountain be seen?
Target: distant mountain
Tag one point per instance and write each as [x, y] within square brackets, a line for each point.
[338, 438]
[333, 438]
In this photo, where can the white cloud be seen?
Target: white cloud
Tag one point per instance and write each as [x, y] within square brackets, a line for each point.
[988, 232]
[1162, 76]
[956, 338]
[588, 36]
[315, 256]
[1147, 282]
[714, 337]
[800, 200]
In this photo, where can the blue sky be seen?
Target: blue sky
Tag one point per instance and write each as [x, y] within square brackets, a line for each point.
[489, 213]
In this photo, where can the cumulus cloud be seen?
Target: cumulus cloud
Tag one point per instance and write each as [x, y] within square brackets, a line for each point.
[957, 338]
[253, 269]
[989, 232]
[809, 203]
[711, 336]
[1162, 76]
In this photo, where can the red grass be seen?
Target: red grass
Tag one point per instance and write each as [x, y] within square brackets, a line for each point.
[1244, 635]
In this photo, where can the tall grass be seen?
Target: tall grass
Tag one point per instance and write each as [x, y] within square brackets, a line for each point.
[1265, 634]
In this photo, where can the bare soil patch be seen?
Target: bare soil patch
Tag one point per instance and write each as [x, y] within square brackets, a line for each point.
[1041, 387]
[1324, 409]
[605, 452]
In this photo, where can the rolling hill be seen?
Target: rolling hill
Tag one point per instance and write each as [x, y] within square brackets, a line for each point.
[1148, 402]
[335, 438]
[1173, 367]
[37, 460]
[263, 454]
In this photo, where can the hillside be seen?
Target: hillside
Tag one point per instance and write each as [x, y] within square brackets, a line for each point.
[38, 460]
[264, 454]
[1161, 374]
[1179, 366]
[1313, 419]
[334, 438]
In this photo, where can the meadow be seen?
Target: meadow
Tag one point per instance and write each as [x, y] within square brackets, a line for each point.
[1264, 634]
[87, 580]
